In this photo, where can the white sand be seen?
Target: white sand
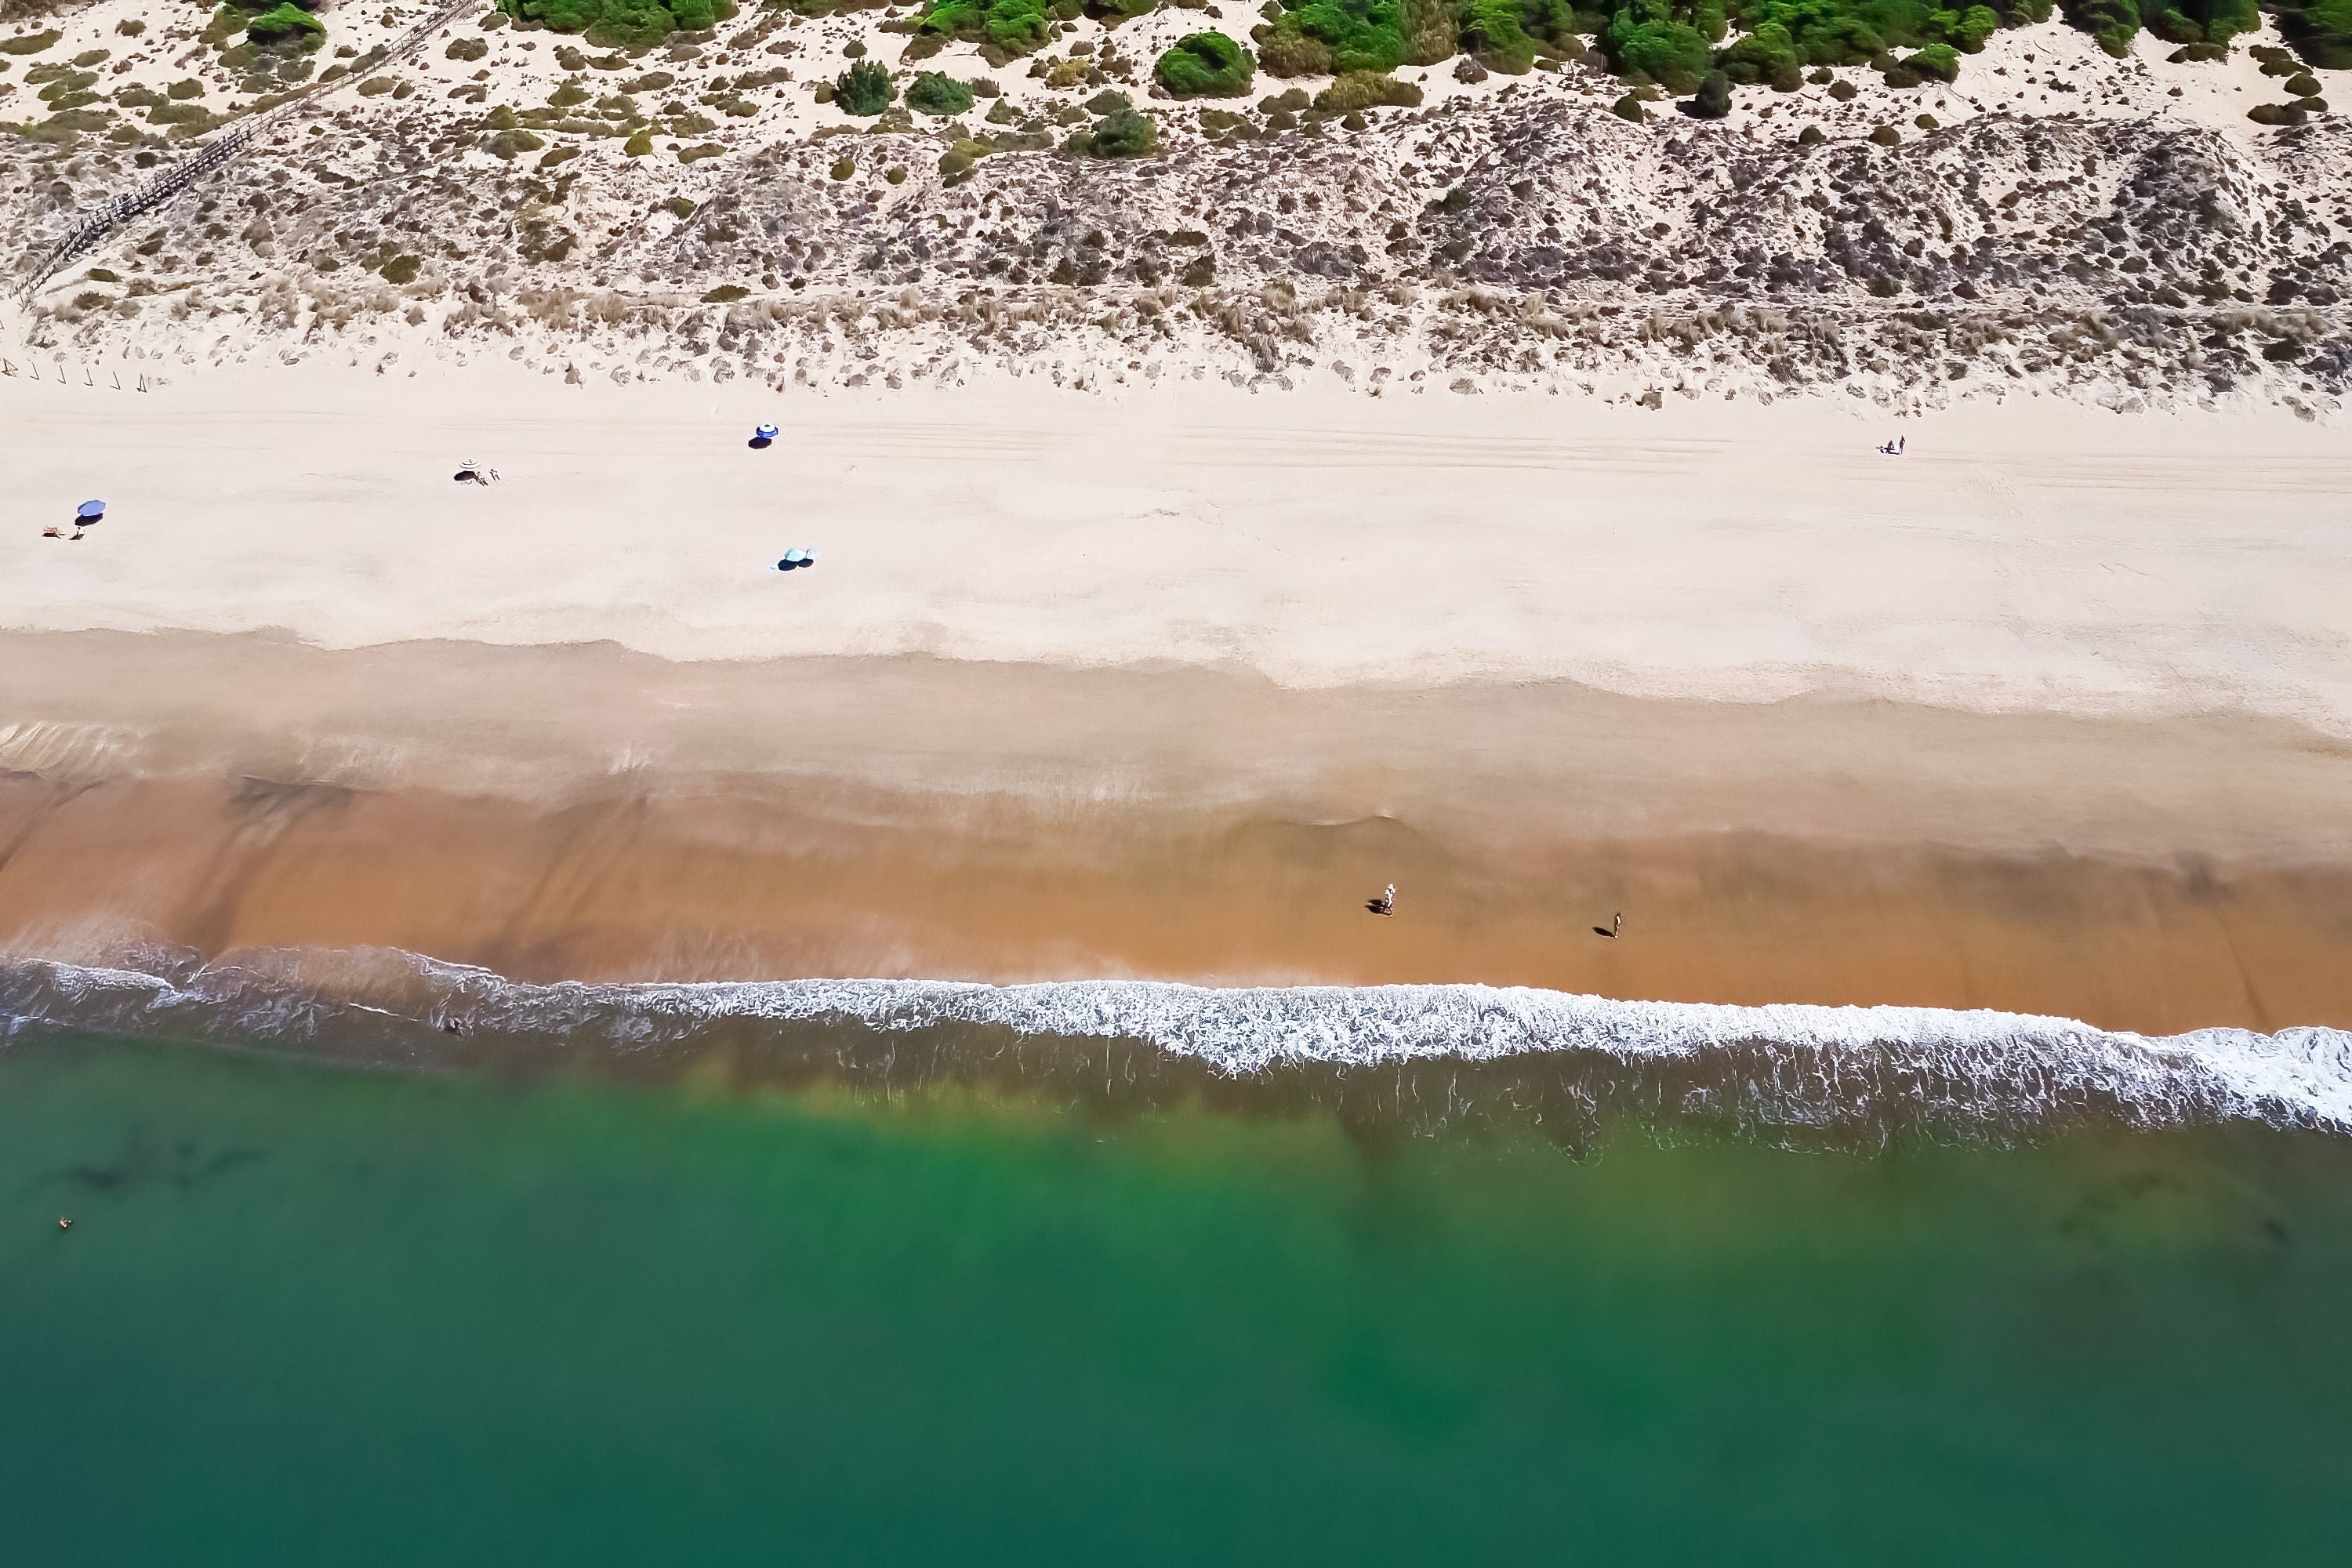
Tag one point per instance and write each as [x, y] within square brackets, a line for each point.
[2019, 557]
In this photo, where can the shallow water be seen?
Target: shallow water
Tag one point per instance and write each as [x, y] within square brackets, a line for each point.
[313, 1313]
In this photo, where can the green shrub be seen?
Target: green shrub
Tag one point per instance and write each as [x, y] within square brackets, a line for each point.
[958, 159]
[31, 42]
[726, 294]
[864, 89]
[1658, 39]
[401, 269]
[2192, 22]
[1125, 134]
[1109, 101]
[1767, 57]
[1938, 60]
[1713, 100]
[1976, 24]
[1205, 65]
[1811, 136]
[937, 93]
[468, 48]
[1886, 136]
[1358, 90]
[184, 90]
[1432, 27]
[1821, 33]
[1013, 27]
[621, 23]
[1289, 54]
[2114, 23]
[288, 26]
[1357, 35]
[1492, 32]
[1628, 108]
[2320, 30]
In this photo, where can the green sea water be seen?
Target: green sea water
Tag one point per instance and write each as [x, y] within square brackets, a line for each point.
[312, 1315]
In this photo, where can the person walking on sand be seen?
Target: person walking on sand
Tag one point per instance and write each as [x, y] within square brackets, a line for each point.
[1386, 903]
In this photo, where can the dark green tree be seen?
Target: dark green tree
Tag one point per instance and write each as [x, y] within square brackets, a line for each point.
[1713, 100]
[864, 89]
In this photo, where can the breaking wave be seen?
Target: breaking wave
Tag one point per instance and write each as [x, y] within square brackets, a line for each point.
[1415, 1057]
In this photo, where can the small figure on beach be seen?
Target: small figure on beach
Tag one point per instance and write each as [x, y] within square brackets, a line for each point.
[1614, 929]
[456, 1027]
[86, 516]
[1891, 449]
[794, 560]
[472, 472]
[1385, 904]
[64, 1223]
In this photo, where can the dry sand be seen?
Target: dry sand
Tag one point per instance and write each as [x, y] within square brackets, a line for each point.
[2048, 715]
[2034, 558]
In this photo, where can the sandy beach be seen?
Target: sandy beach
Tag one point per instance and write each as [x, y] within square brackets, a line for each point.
[1535, 782]
[2016, 558]
[2049, 715]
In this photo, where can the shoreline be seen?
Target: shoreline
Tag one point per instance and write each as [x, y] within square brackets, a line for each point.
[588, 813]
[1167, 689]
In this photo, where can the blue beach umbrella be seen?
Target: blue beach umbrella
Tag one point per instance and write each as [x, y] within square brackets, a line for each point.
[89, 512]
[765, 432]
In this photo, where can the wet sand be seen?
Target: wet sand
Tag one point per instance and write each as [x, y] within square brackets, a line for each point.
[2052, 716]
[590, 813]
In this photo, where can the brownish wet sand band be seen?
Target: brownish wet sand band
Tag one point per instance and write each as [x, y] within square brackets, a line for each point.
[586, 813]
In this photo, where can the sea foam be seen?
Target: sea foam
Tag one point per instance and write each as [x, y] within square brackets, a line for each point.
[1427, 1053]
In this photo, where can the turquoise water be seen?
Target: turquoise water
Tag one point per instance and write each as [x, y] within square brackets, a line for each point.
[309, 1314]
